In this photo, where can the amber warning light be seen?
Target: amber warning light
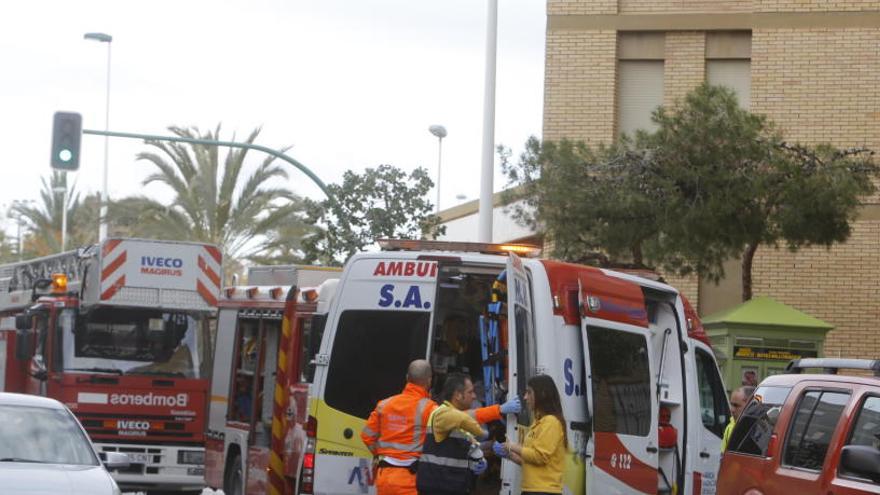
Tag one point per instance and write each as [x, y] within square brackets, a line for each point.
[468, 247]
[59, 283]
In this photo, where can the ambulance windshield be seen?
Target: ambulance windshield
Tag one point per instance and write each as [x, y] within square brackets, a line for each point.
[134, 341]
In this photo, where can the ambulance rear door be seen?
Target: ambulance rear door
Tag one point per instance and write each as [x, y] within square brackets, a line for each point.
[379, 324]
[521, 360]
[622, 456]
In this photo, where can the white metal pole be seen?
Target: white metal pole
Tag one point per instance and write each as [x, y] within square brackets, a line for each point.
[102, 230]
[64, 212]
[439, 162]
[484, 233]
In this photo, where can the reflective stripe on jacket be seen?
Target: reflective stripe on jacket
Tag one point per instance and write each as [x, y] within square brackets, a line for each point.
[445, 465]
[396, 427]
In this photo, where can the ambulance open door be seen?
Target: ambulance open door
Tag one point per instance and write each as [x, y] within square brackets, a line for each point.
[521, 361]
[622, 454]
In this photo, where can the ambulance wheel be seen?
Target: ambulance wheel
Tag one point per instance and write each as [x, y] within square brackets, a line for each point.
[233, 482]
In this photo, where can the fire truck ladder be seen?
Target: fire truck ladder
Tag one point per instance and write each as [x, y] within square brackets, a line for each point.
[24, 276]
[490, 337]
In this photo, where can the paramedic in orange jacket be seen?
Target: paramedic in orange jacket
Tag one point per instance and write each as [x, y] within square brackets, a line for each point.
[395, 430]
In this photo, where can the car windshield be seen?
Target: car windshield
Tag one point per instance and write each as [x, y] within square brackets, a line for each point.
[134, 341]
[42, 435]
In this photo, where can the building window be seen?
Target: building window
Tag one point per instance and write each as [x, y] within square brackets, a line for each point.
[639, 92]
[639, 80]
[728, 63]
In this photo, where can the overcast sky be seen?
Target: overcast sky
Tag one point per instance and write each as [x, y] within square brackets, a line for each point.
[349, 84]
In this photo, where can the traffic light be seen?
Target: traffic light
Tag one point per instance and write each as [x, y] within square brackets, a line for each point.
[66, 136]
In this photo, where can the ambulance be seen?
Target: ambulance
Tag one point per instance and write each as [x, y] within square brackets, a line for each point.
[643, 400]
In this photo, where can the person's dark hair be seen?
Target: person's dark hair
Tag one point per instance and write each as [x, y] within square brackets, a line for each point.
[455, 382]
[547, 402]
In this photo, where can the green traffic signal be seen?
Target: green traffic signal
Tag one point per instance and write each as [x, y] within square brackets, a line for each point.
[66, 137]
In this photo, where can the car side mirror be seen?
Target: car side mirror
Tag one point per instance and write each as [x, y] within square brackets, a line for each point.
[116, 460]
[862, 461]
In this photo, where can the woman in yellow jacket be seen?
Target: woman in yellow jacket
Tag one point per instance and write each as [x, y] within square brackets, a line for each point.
[542, 455]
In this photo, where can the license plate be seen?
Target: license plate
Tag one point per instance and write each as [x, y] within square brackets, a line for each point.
[139, 458]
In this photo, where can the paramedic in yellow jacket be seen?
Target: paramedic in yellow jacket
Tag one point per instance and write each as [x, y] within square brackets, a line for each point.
[451, 457]
[542, 455]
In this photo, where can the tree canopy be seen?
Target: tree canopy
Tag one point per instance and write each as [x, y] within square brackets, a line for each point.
[383, 202]
[43, 220]
[713, 182]
[212, 198]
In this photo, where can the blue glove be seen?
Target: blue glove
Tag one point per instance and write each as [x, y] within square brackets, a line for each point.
[479, 467]
[512, 406]
[499, 450]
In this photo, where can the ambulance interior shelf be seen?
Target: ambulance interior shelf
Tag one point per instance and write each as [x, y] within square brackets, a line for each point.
[464, 293]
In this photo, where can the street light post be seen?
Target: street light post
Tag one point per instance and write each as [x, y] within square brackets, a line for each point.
[440, 132]
[63, 190]
[487, 171]
[102, 229]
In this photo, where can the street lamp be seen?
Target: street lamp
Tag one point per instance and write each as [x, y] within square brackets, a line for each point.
[440, 132]
[102, 219]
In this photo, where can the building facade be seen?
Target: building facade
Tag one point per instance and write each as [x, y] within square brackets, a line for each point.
[810, 66]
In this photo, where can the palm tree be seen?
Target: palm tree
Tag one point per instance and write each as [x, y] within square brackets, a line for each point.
[43, 220]
[210, 202]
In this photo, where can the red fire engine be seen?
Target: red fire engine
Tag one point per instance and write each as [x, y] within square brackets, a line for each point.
[267, 333]
[119, 332]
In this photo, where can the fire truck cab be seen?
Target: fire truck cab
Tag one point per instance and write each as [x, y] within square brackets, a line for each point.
[268, 332]
[119, 333]
[642, 396]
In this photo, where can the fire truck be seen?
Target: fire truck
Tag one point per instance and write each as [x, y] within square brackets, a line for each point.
[268, 332]
[119, 332]
[644, 402]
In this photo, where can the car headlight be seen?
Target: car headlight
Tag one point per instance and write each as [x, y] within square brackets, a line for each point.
[191, 457]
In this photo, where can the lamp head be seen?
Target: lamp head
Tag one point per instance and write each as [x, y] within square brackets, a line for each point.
[102, 37]
[438, 130]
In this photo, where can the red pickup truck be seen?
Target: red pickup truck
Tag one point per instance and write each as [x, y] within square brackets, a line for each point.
[808, 433]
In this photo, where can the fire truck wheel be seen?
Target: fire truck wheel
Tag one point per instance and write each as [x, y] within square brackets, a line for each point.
[233, 481]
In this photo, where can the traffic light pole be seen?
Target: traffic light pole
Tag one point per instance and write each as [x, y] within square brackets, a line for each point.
[232, 144]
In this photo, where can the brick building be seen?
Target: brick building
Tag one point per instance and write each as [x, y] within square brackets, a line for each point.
[811, 66]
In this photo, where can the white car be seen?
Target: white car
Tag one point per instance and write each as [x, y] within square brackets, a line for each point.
[45, 451]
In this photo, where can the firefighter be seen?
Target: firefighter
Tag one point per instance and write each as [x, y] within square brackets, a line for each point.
[395, 430]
